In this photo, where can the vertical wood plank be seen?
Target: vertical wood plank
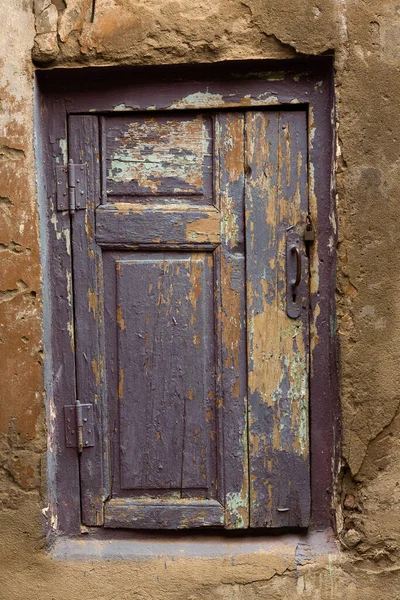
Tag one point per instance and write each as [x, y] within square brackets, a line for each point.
[276, 201]
[63, 466]
[88, 285]
[231, 319]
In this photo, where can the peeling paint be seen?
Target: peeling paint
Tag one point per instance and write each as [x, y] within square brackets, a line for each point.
[123, 107]
[199, 99]
[64, 150]
[237, 505]
[157, 156]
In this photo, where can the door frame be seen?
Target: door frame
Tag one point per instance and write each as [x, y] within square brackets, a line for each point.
[245, 84]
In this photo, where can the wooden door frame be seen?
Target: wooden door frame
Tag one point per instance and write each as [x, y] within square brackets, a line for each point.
[243, 85]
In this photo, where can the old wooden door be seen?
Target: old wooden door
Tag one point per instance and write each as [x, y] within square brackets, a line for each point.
[197, 375]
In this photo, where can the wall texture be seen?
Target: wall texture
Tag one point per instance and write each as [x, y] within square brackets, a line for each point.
[365, 37]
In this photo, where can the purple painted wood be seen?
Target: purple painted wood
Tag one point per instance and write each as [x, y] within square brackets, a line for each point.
[63, 475]
[154, 450]
[277, 203]
[83, 148]
[203, 87]
[170, 421]
[214, 87]
[325, 412]
[160, 323]
[126, 223]
[165, 333]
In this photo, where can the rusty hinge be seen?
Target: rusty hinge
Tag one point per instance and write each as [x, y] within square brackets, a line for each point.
[79, 426]
[71, 187]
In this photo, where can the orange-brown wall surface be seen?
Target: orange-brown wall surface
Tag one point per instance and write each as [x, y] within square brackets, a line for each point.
[363, 561]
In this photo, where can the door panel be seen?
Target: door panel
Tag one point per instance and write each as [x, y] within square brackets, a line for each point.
[156, 157]
[206, 377]
[160, 357]
[165, 317]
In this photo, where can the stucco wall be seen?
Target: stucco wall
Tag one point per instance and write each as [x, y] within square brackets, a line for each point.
[365, 36]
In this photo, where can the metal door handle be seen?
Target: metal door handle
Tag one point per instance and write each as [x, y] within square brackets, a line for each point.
[294, 271]
[296, 250]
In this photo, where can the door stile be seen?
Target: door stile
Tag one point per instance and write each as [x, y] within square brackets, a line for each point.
[276, 209]
[62, 463]
[293, 210]
[219, 392]
[83, 144]
[219, 429]
[231, 317]
[103, 153]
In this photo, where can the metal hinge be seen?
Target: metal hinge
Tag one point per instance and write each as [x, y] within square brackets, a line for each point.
[71, 187]
[79, 426]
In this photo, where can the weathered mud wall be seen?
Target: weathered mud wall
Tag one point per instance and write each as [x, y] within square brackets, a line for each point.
[365, 37]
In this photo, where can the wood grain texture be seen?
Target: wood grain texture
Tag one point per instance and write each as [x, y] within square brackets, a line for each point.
[87, 281]
[174, 431]
[276, 201]
[165, 318]
[173, 514]
[160, 312]
[58, 318]
[231, 311]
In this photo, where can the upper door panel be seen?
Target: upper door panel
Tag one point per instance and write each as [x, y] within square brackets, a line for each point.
[158, 157]
[158, 183]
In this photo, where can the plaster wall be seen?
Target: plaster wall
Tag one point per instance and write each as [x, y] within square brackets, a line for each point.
[365, 37]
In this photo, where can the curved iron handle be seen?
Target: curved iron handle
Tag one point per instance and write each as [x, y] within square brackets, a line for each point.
[296, 282]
